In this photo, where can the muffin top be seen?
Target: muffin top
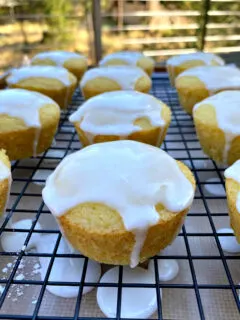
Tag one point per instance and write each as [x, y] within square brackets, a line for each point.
[24, 104]
[206, 57]
[116, 112]
[51, 72]
[59, 57]
[214, 77]
[125, 76]
[226, 106]
[128, 176]
[129, 57]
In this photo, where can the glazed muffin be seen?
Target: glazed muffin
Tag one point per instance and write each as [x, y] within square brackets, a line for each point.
[120, 202]
[5, 180]
[232, 175]
[54, 82]
[28, 122]
[217, 121]
[196, 84]
[113, 78]
[74, 62]
[131, 58]
[119, 115]
[180, 63]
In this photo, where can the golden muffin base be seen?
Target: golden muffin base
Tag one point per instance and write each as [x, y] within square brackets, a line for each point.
[4, 184]
[98, 231]
[190, 90]
[103, 84]
[232, 190]
[144, 63]
[52, 88]
[212, 138]
[174, 71]
[148, 134]
[76, 66]
[17, 139]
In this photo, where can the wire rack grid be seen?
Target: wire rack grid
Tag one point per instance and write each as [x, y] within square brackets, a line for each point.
[208, 281]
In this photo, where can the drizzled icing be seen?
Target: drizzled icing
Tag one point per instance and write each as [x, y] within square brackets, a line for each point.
[59, 57]
[128, 176]
[205, 57]
[137, 303]
[215, 78]
[129, 57]
[226, 105]
[52, 72]
[115, 112]
[125, 76]
[25, 105]
[233, 172]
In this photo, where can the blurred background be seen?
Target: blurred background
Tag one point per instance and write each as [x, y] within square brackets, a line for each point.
[93, 27]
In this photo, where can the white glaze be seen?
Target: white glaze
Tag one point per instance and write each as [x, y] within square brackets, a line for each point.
[51, 72]
[25, 105]
[14, 241]
[136, 302]
[114, 113]
[215, 78]
[129, 176]
[59, 57]
[215, 189]
[226, 105]
[63, 269]
[205, 57]
[129, 57]
[228, 244]
[233, 172]
[167, 269]
[125, 76]
[41, 174]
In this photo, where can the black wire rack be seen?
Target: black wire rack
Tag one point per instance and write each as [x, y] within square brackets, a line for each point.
[208, 282]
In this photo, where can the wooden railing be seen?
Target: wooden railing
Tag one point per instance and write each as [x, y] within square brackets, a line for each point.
[158, 28]
[208, 28]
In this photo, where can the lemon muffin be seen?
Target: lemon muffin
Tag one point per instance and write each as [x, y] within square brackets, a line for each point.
[232, 175]
[217, 121]
[119, 202]
[75, 63]
[119, 115]
[196, 84]
[5, 180]
[28, 122]
[180, 63]
[113, 78]
[131, 58]
[55, 82]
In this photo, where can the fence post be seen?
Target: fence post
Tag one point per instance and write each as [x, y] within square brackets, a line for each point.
[97, 25]
[203, 24]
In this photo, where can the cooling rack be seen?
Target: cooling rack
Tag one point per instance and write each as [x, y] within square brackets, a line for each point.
[208, 281]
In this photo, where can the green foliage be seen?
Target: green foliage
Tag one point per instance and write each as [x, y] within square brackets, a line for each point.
[58, 21]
